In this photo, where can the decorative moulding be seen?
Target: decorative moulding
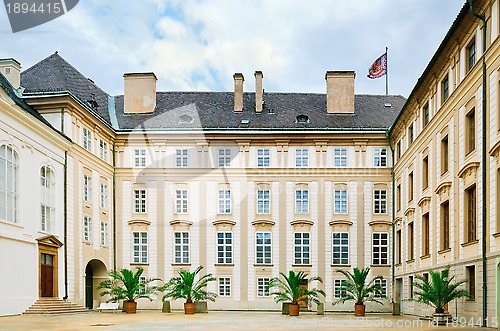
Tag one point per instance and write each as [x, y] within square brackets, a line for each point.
[468, 169]
[443, 187]
[379, 222]
[180, 222]
[262, 222]
[224, 222]
[49, 240]
[409, 211]
[302, 222]
[423, 201]
[495, 150]
[398, 219]
[340, 222]
[139, 222]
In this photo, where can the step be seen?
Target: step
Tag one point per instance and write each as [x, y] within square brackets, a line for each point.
[53, 306]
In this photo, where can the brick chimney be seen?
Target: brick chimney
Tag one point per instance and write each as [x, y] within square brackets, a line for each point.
[11, 69]
[340, 92]
[139, 93]
[258, 91]
[238, 91]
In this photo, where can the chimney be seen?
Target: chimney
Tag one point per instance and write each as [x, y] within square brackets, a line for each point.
[139, 93]
[258, 91]
[11, 69]
[238, 91]
[340, 92]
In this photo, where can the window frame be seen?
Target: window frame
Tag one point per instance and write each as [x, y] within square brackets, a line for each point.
[10, 194]
[224, 286]
[301, 201]
[425, 172]
[267, 247]
[383, 283]
[471, 54]
[140, 201]
[263, 202]
[471, 213]
[224, 202]
[445, 89]
[445, 155]
[103, 196]
[139, 157]
[181, 157]
[379, 248]
[340, 157]
[470, 131]
[343, 258]
[224, 247]
[181, 201]
[302, 248]
[338, 288]
[426, 236]
[262, 287]
[425, 115]
[87, 188]
[341, 201]
[445, 224]
[47, 199]
[301, 157]
[382, 202]
[142, 245]
[380, 157]
[87, 229]
[182, 257]
[224, 159]
[411, 241]
[104, 234]
[103, 150]
[87, 139]
[263, 157]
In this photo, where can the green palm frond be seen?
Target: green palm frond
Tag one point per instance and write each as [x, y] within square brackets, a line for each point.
[126, 285]
[185, 286]
[356, 288]
[289, 288]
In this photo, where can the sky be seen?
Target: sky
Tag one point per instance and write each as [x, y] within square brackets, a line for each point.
[197, 45]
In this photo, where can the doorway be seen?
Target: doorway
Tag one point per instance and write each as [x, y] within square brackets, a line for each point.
[47, 275]
[95, 272]
[89, 288]
[48, 248]
[399, 294]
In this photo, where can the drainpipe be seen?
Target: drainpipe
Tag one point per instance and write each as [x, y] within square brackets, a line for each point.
[65, 183]
[483, 162]
[393, 227]
[114, 208]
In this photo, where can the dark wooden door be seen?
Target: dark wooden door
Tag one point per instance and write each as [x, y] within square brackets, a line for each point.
[89, 290]
[47, 275]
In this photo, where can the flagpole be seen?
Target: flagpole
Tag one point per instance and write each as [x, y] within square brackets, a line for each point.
[386, 73]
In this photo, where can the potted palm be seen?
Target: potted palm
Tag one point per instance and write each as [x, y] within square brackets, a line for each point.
[185, 286]
[291, 289]
[127, 285]
[438, 292]
[356, 288]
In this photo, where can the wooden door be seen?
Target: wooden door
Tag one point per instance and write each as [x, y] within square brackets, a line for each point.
[47, 275]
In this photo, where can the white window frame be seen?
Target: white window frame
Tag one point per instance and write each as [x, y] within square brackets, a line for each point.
[224, 201]
[103, 196]
[47, 199]
[263, 157]
[87, 139]
[340, 245]
[301, 157]
[104, 235]
[224, 247]
[302, 248]
[380, 157]
[140, 244]
[262, 287]
[340, 157]
[224, 286]
[140, 201]
[9, 161]
[380, 251]
[302, 201]
[338, 292]
[139, 157]
[383, 284]
[87, 188]
[263, 240]
[380, 201]
[224, 157]
[87, 229]
[340, 201]
[181, 247]
[103, 150]
[142, 280]
[263, 201]
[181, 157]
[181, 201]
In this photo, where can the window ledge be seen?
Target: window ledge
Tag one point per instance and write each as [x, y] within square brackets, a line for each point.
[86, 204]
[180, 264]
[426, 256]
[302, 265]
[224, 264]
[263, 265]
[340, 265]
[380, 265]
[410, 261]
[469, 243]
[138, 263]
[17, 225]
[443, 251]
[496, 235]
[398, 264]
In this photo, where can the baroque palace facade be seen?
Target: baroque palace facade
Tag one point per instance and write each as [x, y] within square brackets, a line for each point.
[249, 184]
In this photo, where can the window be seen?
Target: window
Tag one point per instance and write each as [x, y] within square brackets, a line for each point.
[104, 234]
[380, 157]
[87, 229]
[302, 248]
[224, 157]
[181, 157]
[139, 201]
[425, 235]
[301, 157]
[140, 157]
[47, 199]
[263, 202]
[140, 247]
[445, 225]
[470, 126]
[383, 284]
[262, 287]
[224, 247]
[103, 150]
[103, 196]
[425, 172]
[444, 155]
[411, 245]
[263, 158]
[87, 139]
[301, 202]
[410, 134]
[379, 201]
[9, 181]
[340, 248]
[340, 202]
[181, 201]
[338, 288]
[470, 196]
[471, 54]
[410, 283]
[410, 186]
[87, 188]
[425, 116]
[181, 247]
[142, 286]
[224, 286]
[263, 248]
[470, 272]
[224, 201]
[398, 149]
[340, 157]
[398, 197]
[398, 246]
[445, 86]
[380, 248]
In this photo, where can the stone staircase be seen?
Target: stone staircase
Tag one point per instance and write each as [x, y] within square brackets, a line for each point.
[54, 306]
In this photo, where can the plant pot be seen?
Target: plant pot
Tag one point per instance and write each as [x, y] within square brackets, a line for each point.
[130, 307]
[189, 308]
[293, 309]
[359, 309]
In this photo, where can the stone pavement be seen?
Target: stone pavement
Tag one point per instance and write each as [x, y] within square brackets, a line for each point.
[215, 320]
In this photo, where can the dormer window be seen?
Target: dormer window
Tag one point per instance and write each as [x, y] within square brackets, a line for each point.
[302, 119]
[186, 119]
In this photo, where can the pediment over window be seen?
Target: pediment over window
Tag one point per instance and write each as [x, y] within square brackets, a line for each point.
[443, 188]
[379, 222]
[470, 169]
[139, 222]
[224, 223]
[409, 212]
[495, 150]
[263, 222]
[49, 240]
[340, 222]
[180, 222]
[424, 201]
[302, 222]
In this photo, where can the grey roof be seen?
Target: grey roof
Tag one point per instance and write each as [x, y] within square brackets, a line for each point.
[55, 74]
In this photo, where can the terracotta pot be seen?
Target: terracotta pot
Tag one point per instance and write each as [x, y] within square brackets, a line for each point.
[189, 308]
[293, 310]
[130, 307]
[359, 309]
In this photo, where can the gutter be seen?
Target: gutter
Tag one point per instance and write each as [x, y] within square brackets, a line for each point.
[256, 131]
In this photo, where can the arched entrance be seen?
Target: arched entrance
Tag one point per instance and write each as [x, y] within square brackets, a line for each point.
[95, 272]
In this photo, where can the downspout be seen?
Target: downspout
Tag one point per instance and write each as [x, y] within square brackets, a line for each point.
[393, 226]
[114, 208]
[483, 164]
[65, 189]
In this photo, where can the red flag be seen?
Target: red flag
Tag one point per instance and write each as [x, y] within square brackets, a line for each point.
[379, 67]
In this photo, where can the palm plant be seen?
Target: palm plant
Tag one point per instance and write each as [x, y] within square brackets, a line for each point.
[439, 290]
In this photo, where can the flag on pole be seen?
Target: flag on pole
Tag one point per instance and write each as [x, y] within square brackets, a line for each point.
[379, 67]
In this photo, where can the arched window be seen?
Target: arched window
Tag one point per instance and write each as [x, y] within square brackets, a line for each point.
[47, 199]
[9, 177]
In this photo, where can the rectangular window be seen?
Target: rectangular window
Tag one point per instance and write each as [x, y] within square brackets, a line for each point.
[47, 197]
[471, 281]
[103, 196]
[398, 197]
[262, 287]
[224, 157]
[470, 195]
[410, 134]
[263, 157]
[411, 245]
[340, 157]
[302, 248]
[181, 201]
[380, 157]
[301, 157]
[87, 139]
[425, 115]
[398, 149]
[425, 172]
[471, 55]
[301, 202]
[398, 247]
[181, 157]
[340, 202]
[340, 248]
[263, 202]
[87, 188]
[444, 155]
[380, 248]
[140, 157]
[445, 225]
[104, 234]
[425, 235]
[410, 186]
[445, 86]
[263, 248]
[140, 247]
[224, 286]
[410, 284]
[142, 280]
[338, 288]
[470, 126]
[87, 229]
[380, 201]
[224, 247]
[224, 201]
[181, 247]
[139, 201]
[383, 284]
[103, 150]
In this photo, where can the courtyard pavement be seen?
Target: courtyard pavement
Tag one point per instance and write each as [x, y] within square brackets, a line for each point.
[216, 320]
